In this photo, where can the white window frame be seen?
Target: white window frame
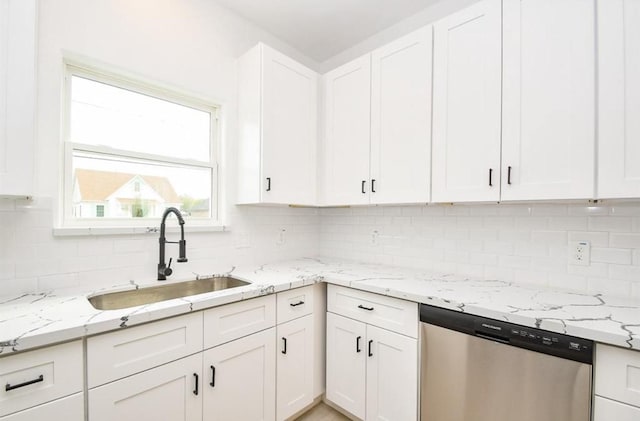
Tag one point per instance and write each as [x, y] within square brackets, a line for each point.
[67, 224]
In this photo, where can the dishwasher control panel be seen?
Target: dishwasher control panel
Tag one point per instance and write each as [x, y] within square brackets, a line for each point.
[534, 339]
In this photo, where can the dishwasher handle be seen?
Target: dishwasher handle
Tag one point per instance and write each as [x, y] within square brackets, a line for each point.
[492, 337]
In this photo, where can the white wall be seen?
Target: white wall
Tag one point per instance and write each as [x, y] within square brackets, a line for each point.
[519, 243]
[191, 45]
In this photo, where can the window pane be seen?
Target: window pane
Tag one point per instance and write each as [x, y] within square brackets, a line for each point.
[105, 115]
[115, 187]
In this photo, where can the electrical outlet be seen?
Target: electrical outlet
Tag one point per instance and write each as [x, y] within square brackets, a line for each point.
[374, 237]
[579, 253]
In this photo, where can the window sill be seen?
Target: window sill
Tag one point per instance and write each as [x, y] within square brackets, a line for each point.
[100, 231]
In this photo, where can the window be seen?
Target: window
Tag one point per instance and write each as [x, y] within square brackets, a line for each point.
[133, 149]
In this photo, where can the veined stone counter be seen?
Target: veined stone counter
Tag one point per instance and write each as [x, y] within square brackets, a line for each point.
[33, 320]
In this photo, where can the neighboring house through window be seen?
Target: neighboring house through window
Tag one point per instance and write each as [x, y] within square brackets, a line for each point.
[134, 149]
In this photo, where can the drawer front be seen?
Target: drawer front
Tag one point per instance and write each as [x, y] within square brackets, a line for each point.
[618, 374]
[294, 303]
[232, 321]
[70, 408]
[119, 354]
[378, 310]
[608, 410]
[40, 376]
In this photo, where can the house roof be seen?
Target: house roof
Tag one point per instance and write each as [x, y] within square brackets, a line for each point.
[99, 185]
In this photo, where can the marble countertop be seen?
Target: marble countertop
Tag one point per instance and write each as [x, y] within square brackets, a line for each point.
[33, 320]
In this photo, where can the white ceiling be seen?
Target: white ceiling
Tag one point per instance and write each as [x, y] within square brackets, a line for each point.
[321, 29]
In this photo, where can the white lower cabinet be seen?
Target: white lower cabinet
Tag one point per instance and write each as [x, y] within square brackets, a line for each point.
[70, 408]
[172, 391]
[240, 379]
[609, 410]
[294, 361]
[392, 375]
[371, 372]
[38, 381]
[346, 363]
[617, 384]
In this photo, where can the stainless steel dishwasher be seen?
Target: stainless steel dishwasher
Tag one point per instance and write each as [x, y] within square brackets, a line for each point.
[479, 369]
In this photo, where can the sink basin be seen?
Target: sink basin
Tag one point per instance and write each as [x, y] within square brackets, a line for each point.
[136, 297]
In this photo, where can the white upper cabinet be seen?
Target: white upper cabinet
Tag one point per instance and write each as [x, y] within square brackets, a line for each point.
[378, 125]
[401, 119]
[619, 99]
[467, 104]
[18, 41]
[548, 119]
[347, 99]
[278, 129]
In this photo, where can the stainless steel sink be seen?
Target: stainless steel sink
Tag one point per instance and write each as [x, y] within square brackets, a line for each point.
[136, 297]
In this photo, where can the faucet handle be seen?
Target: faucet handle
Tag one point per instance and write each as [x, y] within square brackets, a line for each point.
[168, 271]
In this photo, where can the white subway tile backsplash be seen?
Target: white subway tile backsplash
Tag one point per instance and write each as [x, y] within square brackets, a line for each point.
[500, 274]
[15, 286]
[625, 272]
[610, 223]
[522, 243]
[611, 255]
[549, 210]
[596, 239]
[594, 270]
[609, 286]
[527, 248]
[549, 237]
[50, 282]
[625, 210]
[568, 223]
[588, 210]
[568, 282]
[457, 210]
[515, 262]
[531, 277]
[624, 240]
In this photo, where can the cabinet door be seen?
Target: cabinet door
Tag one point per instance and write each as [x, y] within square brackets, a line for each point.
[347, 99]
[467, 77]
[619, 98]
[608, 410]
[548, 99]
[294, 388]
[70, 408]
[346, 363]
[401, 119]
[240, 380]
[392, 375]
[18, 40]
[289, 131]
[167, 392]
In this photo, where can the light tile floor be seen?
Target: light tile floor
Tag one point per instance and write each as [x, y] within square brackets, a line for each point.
[322, 412]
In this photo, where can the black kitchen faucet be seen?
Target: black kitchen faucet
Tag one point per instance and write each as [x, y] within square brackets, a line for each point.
[163, 269]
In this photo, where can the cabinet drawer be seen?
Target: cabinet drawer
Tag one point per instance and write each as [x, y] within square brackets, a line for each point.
[40, 376]
[294, 303]
[608, 410]
[233, 321]
[379, 310]
[618, 374]
[119, 354]
[70, 408]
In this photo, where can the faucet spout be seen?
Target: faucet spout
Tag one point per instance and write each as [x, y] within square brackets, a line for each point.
[163, 269]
